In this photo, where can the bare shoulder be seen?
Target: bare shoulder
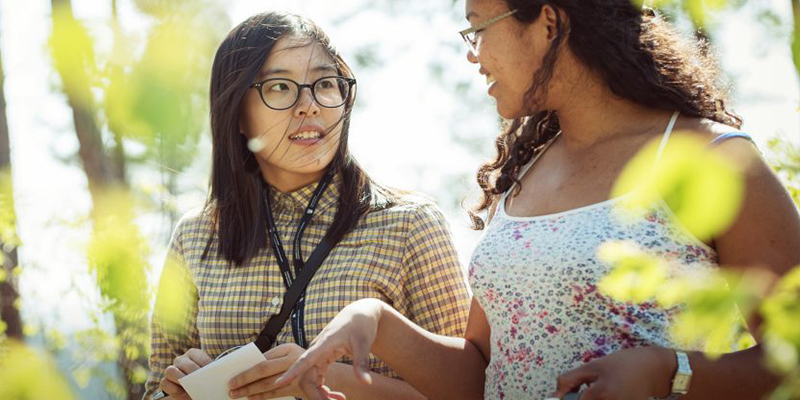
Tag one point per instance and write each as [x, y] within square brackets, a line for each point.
[703, 126]
[738, 150]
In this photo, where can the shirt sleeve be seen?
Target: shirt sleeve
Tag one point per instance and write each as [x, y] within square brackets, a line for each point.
[435, 287]
[174, 329]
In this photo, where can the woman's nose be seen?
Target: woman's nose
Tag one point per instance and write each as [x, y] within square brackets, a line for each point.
[306, 105]
[471, 57]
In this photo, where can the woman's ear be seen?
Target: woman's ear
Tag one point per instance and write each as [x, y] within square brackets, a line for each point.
[551, 17]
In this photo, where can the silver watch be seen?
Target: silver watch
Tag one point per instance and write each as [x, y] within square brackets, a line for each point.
[682, 378]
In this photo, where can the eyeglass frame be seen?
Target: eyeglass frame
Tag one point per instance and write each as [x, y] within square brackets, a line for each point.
[481, 26]
[300, 86]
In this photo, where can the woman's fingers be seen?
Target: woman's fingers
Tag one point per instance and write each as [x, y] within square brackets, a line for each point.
[361, 359]
[173, 389]
[306, 361]
[572, 380]
[187, 364]
[259, 371]
[311, 383]
[283, 350]
[173, 373]
[335, 395]
[260, 387]
[598, 390]
[199, 357]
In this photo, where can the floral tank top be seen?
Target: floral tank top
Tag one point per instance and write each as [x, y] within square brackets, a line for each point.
[536, 280]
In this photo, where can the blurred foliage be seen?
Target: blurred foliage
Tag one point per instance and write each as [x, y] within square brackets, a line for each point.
[117, 254]
[712, 304]
[27, 374]
[72, 50]
[152, 92]
[786, 162]
[636, 274]
[173, 300]
[160, 100]
[697, 10]
[8, 219]
[683, 177]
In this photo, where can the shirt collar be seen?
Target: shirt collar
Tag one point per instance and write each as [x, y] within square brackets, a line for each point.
[299, 199]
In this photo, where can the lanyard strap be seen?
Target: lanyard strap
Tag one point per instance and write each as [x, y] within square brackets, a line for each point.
[297, 259]
[270, 332]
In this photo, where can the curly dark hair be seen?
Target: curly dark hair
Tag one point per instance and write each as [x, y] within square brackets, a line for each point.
[638, 54]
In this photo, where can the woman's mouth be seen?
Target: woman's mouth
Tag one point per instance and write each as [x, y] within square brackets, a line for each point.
[306, 138]
[490, 82]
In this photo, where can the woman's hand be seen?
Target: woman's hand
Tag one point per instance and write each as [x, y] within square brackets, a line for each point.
[189, 362]
[258, 382]
[351, 333]
[631, 374]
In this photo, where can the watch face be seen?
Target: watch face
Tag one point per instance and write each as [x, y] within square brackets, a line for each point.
[681, 383]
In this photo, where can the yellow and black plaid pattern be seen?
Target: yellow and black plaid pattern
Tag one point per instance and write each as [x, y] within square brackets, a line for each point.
[402, 255]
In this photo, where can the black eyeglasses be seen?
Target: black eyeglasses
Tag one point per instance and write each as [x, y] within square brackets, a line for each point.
[282, 93]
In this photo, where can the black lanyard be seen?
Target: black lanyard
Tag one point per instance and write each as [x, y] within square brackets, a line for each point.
[297, 259]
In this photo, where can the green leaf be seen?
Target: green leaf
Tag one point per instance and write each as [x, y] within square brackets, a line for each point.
[635, 277]
[703, 190]
[29, 374]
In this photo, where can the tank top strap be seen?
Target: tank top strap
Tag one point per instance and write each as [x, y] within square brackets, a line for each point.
[665, 136]
[730, 135]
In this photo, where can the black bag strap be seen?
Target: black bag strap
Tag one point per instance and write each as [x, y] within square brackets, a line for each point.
[270, 332]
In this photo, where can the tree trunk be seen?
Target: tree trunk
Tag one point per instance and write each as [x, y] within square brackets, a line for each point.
[104, 170]
[796, 35]
[9, 313]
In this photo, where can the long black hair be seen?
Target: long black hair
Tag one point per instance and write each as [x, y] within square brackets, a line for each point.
[639, 56]
[236, 202]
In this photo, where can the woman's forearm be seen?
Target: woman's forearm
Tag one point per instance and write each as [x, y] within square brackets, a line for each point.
[340, 378]
[740, 375]
[439, 367]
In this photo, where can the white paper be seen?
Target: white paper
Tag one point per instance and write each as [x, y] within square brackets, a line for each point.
[211, 381]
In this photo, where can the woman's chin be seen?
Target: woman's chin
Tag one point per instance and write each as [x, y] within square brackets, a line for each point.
[508, 112]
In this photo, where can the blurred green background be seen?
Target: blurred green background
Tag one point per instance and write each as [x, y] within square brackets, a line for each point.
[104, 144]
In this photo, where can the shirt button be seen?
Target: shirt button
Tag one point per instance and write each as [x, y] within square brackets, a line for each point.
[276, 300]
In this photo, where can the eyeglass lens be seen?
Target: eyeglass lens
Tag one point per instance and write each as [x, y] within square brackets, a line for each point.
[283, 93]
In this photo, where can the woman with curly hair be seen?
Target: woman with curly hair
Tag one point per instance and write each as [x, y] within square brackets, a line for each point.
[583, 86]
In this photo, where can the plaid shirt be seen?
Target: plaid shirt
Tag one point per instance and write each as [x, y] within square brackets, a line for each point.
[402, 255]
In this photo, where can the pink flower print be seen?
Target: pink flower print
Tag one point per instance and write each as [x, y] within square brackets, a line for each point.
[539, 361]
[578, 298]
[552, 329]
[590, 355]
[471, 270]
[515, 319]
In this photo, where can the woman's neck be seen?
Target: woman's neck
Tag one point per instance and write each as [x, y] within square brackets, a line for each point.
[591, 114]
[289, 181]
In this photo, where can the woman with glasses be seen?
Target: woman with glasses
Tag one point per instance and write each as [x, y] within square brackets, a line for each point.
[287, 196]
[583, 86]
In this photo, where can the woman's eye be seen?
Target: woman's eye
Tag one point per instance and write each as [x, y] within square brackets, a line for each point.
[279, 87]
[326, 85]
